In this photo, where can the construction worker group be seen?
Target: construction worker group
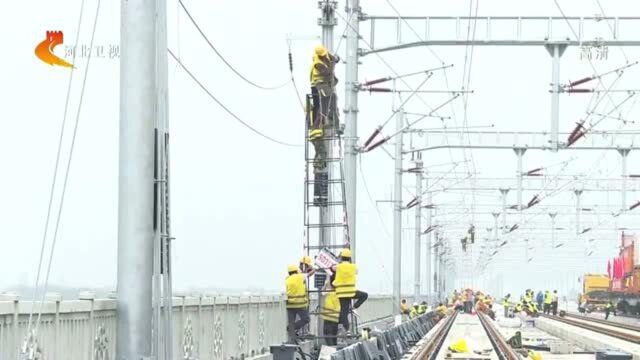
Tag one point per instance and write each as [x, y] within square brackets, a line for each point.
[546, 302]
[339, 292]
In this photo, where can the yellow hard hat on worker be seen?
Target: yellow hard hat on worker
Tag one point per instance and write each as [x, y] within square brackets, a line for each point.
[306, 260]
[292, 268]
[321, 51]
[346, 253]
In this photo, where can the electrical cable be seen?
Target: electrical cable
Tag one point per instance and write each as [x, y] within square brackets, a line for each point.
[225, 108]
[604, 15]
[454, 117]
[293, 79]
[55, 168]
[224, 60]
[66, 176]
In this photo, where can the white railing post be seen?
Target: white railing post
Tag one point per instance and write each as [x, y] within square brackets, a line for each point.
[15, 340]
[90, 297]
[57, 298]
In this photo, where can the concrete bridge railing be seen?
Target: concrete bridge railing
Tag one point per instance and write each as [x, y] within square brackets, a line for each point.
[211, 327]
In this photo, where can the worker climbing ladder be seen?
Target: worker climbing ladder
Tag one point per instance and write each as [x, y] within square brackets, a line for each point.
[325, 216]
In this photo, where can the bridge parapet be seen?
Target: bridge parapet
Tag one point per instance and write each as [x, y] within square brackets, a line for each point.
[209, 327]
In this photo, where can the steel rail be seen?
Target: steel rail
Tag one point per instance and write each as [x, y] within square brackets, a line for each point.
[432, 346]
[598, 329]
[503, 350]
[605, 322]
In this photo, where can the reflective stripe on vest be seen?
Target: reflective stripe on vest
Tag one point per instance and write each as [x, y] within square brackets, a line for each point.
[331, 309]
[345, 282]
[296, 292]
[315, 134]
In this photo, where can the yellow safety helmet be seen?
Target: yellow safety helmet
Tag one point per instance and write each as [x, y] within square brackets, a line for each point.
[345, 253]
[306, 260]
[292, 268]
[459, 346]
[321, 51]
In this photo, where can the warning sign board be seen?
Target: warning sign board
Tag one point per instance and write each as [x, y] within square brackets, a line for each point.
[326, 260]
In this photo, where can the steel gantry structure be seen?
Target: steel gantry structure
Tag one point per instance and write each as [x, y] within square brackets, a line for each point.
[558, 33]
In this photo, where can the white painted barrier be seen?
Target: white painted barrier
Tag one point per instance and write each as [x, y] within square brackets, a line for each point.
[220, 327]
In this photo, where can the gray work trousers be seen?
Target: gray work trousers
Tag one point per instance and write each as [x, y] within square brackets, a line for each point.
[295, 325]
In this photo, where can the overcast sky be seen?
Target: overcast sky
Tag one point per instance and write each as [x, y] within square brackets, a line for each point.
[237, 199]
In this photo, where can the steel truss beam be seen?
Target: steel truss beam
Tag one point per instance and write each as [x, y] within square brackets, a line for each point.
[528, 140]
[513, 31]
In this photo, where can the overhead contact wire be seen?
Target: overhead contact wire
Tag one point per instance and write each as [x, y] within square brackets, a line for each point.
[224, 107]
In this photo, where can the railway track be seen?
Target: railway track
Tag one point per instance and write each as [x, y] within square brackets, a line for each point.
[616, 330]
[605, 322]
[431, 348]
[503, 350]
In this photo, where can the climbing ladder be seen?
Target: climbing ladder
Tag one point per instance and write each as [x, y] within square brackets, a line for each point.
[325, 216]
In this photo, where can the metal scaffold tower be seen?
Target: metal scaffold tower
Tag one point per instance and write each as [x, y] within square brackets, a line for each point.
[325, 209]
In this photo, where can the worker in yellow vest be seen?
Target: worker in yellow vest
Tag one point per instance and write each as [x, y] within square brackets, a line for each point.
[297, 302]
[322, 114]
[404, 307]
[518, 307]
[548, 299]
[323, 81]
[414, 310]
[330, 315]
[506, 303]
[345, 284]
[422, 308]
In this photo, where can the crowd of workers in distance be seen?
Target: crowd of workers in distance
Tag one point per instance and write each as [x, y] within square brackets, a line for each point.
[531, 304]
[419, 309]
[469, 301]
[339, 291]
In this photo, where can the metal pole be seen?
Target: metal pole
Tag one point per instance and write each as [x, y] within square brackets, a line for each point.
[555, 98]
[623, 196]
[495, 226]
[351, 117]
[397, 214]
[418, 227]
[520, 153]
[555, 50]
[136, 174]
[553, 229]
[441, 270]
[504, 193]
[428, 244]
[161, 349]
[578, 210]
[327, 21]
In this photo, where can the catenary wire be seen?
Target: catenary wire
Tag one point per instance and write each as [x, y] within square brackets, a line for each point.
[224, 60]
[446, 78]
[224, 107]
